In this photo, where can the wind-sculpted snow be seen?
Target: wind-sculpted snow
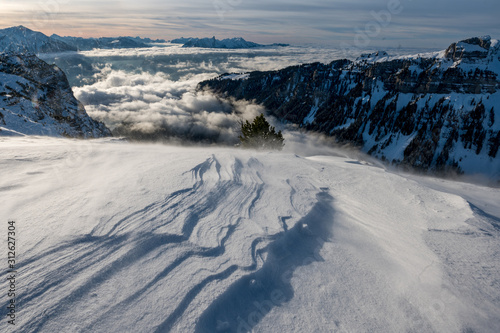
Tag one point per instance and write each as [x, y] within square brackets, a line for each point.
[250, 298]
[132, 238]
[117, 237]
[189, 223]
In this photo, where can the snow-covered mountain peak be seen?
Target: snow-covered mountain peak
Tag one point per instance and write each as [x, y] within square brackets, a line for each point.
[23, 40]
[19, 28]
[481, 41]
[373, 57]
[86, 44]
[471, 49]
[228, 43]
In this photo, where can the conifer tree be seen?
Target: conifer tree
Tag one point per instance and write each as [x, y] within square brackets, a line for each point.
[260, 135]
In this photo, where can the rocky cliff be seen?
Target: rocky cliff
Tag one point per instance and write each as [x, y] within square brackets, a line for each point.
[36, 99]
[435, 112]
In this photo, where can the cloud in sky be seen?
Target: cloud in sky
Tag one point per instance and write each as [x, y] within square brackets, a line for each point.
[422, 23]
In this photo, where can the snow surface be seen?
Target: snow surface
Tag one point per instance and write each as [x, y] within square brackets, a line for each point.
[236, 76]
[470, 48]
[114, 237]
[312, 114]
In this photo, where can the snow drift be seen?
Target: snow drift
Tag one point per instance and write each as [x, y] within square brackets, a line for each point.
[115, 236]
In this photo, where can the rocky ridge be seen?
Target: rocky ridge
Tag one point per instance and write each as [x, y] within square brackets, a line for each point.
[36, 99]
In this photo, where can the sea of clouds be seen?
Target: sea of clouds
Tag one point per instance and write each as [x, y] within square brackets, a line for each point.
[151, 93]
[147, 106]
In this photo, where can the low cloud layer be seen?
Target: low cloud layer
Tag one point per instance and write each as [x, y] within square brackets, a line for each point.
[150, 93]
[90, 66]
[149, 106]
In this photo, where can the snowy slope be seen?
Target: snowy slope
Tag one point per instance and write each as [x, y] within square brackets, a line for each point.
[36, 99]
[115, 237]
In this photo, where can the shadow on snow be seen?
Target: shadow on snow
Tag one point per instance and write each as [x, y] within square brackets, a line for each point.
[245, 303]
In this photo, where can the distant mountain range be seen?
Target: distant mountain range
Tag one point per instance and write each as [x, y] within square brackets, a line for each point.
[87, 44]
[213, 43]
[436, 111]
[36, 99]
[23, 40]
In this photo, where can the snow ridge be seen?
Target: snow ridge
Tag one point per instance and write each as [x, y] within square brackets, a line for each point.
[270, 286]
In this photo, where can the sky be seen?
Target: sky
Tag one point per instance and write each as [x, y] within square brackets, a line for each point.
[342, 23]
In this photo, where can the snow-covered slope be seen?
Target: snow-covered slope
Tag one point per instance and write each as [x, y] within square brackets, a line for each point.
[114, 237]
[36, 99]
[436, 111]
[23, 40]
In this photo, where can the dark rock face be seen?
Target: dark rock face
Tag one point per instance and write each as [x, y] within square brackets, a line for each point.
[36, 99]
[434, 112]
